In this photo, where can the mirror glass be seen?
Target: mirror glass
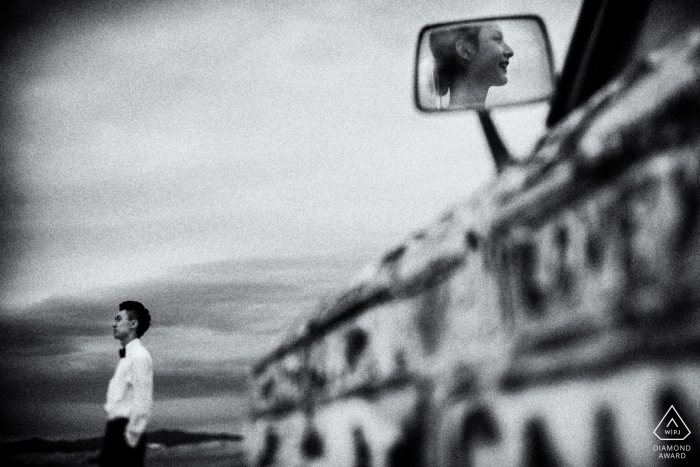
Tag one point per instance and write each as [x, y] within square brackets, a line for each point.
[483, 64]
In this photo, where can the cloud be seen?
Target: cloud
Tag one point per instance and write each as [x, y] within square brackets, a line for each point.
[25, 337]
[236, 296]
[211, 321]
[221, 413]
[68, 404]
[145, 135]
[91, 386]
[245, 297]
[221, 382]
[40, 387]
[76, 420]
[56, 420]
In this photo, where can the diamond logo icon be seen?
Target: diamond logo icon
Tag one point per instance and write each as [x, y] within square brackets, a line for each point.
[672, 427]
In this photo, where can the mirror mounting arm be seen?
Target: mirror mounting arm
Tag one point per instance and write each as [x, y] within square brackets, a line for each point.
[501, 155]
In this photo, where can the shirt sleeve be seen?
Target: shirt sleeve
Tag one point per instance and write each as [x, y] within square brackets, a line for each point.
[142, 383]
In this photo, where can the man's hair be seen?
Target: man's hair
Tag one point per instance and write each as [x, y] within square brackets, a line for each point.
[140, 313]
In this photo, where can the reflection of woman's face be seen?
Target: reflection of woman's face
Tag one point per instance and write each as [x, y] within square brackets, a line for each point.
[491, 61]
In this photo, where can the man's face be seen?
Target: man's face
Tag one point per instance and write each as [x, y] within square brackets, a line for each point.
[491, 61]
[123, 325]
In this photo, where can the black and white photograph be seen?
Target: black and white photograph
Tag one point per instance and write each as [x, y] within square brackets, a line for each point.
[350, 233]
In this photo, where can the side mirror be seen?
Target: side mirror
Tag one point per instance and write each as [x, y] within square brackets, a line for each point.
[483, 63]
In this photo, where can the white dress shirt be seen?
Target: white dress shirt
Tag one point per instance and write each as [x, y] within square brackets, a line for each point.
[130, 391]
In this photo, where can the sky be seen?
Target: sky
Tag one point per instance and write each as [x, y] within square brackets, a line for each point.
[228, 164]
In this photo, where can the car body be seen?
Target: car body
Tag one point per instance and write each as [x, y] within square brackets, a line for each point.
[552, 317]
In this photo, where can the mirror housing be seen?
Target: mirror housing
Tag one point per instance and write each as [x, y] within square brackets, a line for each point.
[483, 63]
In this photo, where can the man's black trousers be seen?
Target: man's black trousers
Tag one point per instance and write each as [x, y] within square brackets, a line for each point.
[115, 451]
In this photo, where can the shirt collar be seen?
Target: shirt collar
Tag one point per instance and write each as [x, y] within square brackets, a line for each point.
[134, 343]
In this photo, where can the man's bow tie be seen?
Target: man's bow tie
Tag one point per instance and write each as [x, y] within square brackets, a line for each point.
[122, 353]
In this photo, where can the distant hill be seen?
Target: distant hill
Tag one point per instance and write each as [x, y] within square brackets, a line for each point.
[164, 437]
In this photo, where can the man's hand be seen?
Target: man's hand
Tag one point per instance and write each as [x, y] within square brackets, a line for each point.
[132, 437]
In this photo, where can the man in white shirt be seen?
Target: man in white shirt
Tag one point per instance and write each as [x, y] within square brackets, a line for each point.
[130, 392]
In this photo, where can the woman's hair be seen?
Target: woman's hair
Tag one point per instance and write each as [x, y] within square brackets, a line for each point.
[448, 63]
